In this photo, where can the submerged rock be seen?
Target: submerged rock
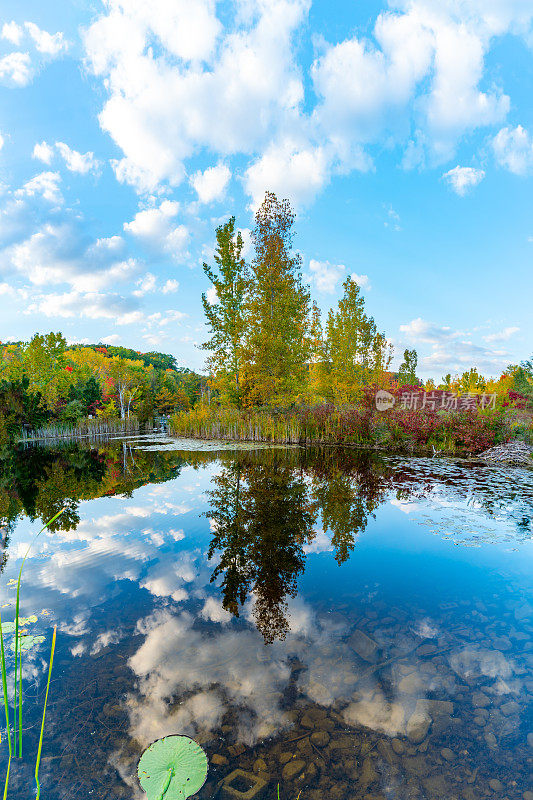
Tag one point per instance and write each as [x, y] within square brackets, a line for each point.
[292, 769]
[418, 723]
[365, 647]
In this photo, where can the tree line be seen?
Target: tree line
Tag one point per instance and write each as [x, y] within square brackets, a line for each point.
[45, 379]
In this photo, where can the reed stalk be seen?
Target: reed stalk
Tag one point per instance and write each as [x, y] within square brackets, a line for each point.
[45, 526]
[6, 706]
[38, 760]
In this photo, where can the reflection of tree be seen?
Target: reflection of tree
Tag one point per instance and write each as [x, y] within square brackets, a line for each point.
[347, 487]
[39, 481]
[262, 516]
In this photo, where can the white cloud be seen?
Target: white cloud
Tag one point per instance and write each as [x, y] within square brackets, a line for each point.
[363, 281]
[43, 152]
[450, 350]
[513, 149]
[211, 184]
[16, 69]
[91, 305]
[55, 255]
[420, 330]
[1, 141]
[290, 170]
[145, 285]
[212, 296]
[12, 32]
[156, 227]
[325, 276]
[77, 162]
[159, 111]
[170, 286]
[176, 87]
[50, 44]
[501, 336]
[462, 179]
[45, 185]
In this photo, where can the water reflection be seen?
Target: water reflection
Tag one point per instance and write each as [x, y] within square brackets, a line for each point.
[289, 609]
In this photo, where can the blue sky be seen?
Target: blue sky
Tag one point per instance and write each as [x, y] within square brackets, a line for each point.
[402, 133]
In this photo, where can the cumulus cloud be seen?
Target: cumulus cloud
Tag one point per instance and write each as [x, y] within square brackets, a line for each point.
[171, 285]
[16, 69]
[325, 276]
[212, 296]
[462, 179]
[12, 32]
[159, 112]
[211, 184]
[156, 227]
[513, 149]
[289, 170]
[50, 44]
[43, 152]
[417, 79]
[45, 185]
[75, 161]
[145, 285]
[54, 255]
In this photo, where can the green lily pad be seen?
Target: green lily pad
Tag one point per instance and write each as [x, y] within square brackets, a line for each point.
[8, 627]
[172, 768]
[27, 642]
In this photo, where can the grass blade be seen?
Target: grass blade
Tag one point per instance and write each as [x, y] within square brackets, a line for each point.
[46, 525]
[6, 704]
[38, 761]
[20, 704]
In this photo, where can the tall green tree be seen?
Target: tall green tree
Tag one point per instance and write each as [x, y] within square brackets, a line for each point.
[224, 317]
[355, 353]
[407, 370]
[277, 346]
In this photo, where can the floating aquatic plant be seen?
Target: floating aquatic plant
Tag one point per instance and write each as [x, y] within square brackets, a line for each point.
[27, 641]
[172, 768]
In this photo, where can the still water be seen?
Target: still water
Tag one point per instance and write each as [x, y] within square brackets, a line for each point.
[339, 623]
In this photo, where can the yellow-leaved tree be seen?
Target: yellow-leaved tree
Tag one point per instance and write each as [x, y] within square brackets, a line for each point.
[355, 353]
[277, 344]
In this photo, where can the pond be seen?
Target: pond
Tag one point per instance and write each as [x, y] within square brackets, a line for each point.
[341, 623]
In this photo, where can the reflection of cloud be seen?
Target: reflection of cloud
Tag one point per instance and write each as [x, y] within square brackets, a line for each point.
[225, 670]
[321, 543]
[214, 611]
[78, 627]
[425, 629]
[375, 712]
[104, 639]
[473, 662]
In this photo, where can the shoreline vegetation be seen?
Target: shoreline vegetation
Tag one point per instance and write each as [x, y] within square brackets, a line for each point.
[463, 433]
[84, 429]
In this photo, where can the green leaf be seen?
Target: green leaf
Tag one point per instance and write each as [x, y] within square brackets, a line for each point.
[172, 768]
[8, 627]
[27, 642]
